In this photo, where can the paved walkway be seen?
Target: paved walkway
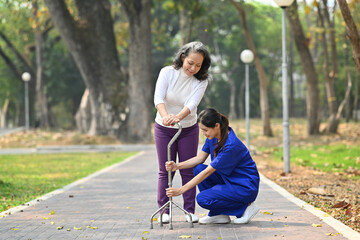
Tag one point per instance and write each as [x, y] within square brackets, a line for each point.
[117, 203]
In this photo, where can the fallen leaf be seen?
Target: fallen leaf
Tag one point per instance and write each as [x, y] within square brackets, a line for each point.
[316, 225]
[349, 212]
[341, 204]
[154, 219]
[267, 213]
[14, 229]
[185, 236]
[317, 191]
[52, 223]
[59, 228]
[331, 234]
[77, 228]
[52, 212]
[145, 232]
[68, 229]
[46, 218]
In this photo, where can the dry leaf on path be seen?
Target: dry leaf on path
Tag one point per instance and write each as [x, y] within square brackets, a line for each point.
[341, 204]
[317, 191]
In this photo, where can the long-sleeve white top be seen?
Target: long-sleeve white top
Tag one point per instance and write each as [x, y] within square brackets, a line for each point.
[177, 90]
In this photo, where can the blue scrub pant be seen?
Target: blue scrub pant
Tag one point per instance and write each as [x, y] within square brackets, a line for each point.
[216, 196]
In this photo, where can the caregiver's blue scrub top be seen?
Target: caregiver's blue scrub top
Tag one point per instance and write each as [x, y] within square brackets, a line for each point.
[235, 165]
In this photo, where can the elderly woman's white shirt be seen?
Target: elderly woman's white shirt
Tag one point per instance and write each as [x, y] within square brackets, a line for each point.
[177, 90]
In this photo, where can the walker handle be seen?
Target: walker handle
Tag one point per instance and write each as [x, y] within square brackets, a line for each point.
[168, 152]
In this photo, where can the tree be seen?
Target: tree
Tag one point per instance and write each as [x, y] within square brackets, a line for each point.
[352, 31]
[140, 97]
[16, 41]
[312, 97]
[329, 67]
[265, 116]
[90, 39]
[41, 105]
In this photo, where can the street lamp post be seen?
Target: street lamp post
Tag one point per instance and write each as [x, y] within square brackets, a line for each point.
[26, 78]
[286, 136]
[247, 57]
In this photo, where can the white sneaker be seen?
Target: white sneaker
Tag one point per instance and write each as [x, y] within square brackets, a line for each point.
[195, 218]
[215, 219]
[165, 218]
[249, 213]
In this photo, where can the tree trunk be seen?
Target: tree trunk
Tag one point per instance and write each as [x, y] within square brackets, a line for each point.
[312, 95]
[41, 106]
[3, 113]
[182, 24]
[352, 31]
[91, 41]
[232, 85]
[140, 98]
[332, 123]
[264, 103]
[83, 114]
[19, 57]
[346, 98]
[356, 94]
[188, 12]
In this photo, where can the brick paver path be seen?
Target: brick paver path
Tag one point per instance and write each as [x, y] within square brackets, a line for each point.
[119, 202]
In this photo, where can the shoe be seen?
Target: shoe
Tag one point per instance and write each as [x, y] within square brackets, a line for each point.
[215, 219]
[249, 213]
[165, 218]
[194, 218]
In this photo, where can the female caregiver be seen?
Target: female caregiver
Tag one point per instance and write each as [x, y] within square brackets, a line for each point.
[229, 185]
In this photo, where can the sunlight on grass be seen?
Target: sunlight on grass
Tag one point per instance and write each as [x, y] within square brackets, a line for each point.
[331, 158]
[26, 177]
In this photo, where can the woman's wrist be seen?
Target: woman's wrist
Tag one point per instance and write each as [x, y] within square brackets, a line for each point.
[182, 190]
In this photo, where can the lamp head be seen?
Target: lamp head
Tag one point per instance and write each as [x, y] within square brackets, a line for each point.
[26, 76]
[284, 3]
[247, 56]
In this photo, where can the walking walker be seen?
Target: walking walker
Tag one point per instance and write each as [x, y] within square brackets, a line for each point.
[170, 202]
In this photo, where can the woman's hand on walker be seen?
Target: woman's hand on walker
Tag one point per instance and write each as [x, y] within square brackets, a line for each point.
[171, 166]
[170, 120]
[173, 192]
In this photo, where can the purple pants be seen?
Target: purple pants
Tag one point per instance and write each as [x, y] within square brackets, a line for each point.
[185, 147]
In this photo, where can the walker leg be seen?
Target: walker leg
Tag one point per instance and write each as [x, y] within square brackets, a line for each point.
[186, 212]
[170, 214]
[157, 211]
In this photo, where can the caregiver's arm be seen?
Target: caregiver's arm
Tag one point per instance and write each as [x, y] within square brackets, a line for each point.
[190, 163]
[171, 192]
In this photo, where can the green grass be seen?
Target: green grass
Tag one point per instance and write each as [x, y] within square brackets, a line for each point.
[26, 177]
[328, 158]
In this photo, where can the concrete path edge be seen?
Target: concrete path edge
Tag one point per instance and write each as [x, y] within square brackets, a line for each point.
[339, 226]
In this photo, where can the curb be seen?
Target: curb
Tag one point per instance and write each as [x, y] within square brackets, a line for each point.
[337, 225]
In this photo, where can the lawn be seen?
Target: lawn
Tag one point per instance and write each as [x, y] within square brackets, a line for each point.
[26, 177]
[327, 158]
